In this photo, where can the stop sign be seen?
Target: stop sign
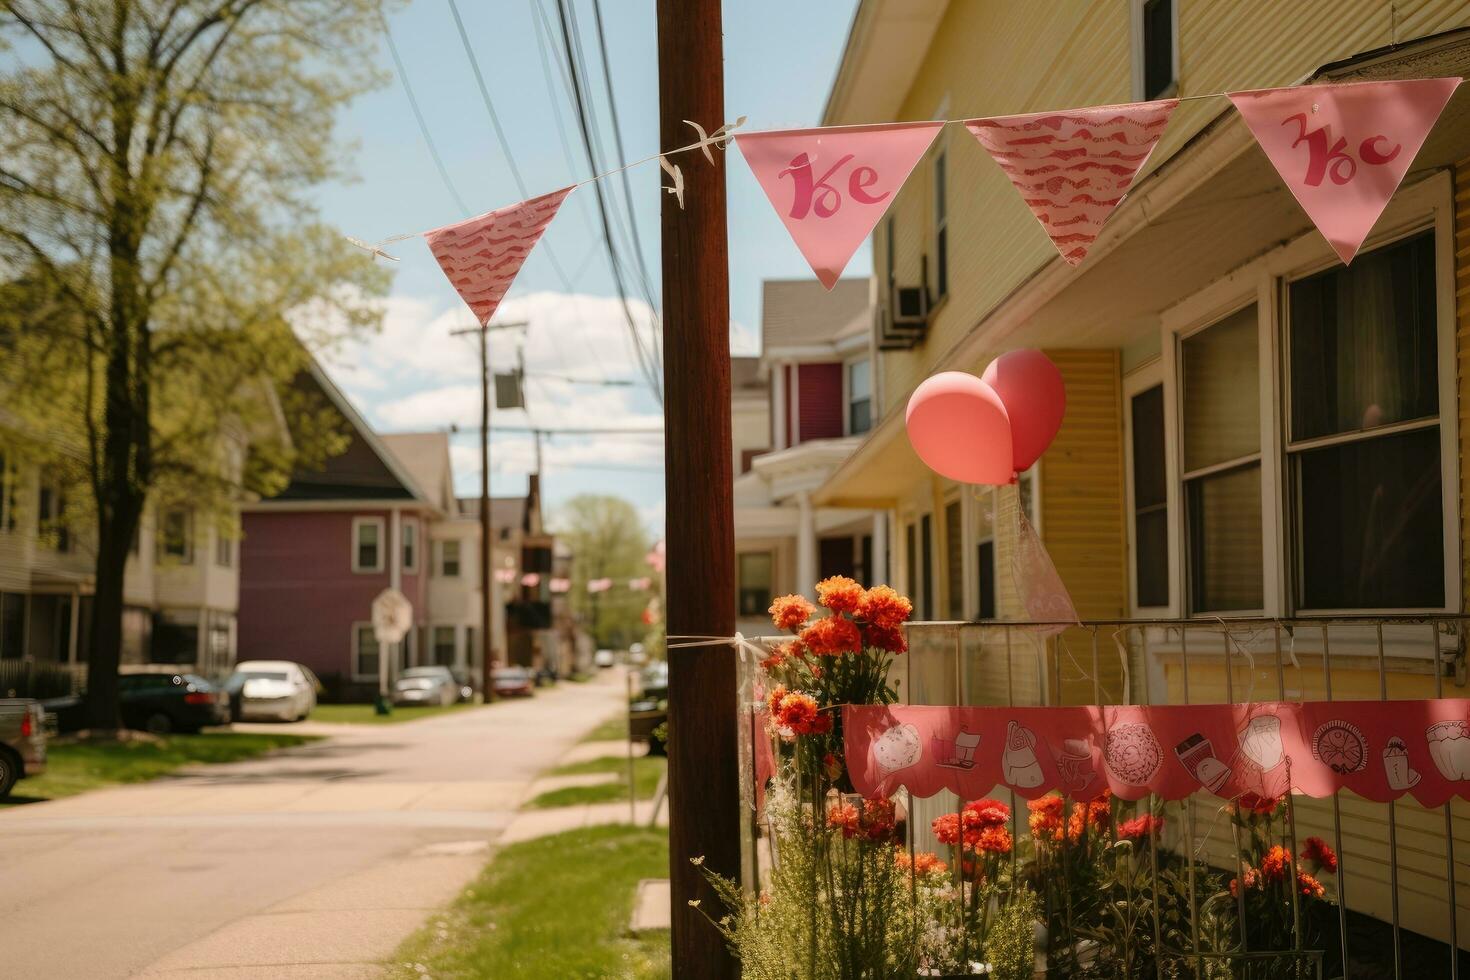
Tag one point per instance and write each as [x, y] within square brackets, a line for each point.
[392, 616]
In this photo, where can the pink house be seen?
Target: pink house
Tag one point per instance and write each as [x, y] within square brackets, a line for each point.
[313, 558]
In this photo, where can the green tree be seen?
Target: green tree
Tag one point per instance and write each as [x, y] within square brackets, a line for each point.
[155, 232]
[608, 540]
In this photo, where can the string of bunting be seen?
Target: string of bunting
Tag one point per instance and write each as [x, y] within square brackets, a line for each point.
[1341, 149]
[560, 585]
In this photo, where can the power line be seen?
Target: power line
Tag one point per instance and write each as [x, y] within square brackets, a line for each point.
[419, 115]
[650, 370]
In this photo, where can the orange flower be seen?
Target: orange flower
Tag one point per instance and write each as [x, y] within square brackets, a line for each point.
[844, 816]
[1138, 828]
[1310, 886]
[773, 702]
[995, 840]
[922, 863]
[882, 606]
[1250, 882]
[839, 593]
[1315, 851]
[773, 661]
[889, 638]
[987, 813]
[1051, 805]
[875, 820]
[789, 612]
[1274, 864]
[832, 636]
[797, 712]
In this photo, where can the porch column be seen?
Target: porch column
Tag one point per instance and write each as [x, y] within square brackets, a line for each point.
[879, 572]
[806, 544]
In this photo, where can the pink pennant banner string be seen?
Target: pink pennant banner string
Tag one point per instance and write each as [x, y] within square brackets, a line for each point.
[1343, 149]
[832, 186]
[1073, 168]
[1380, 750]
[482, 256]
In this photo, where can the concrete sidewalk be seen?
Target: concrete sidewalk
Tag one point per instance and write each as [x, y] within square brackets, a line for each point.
[314, 862]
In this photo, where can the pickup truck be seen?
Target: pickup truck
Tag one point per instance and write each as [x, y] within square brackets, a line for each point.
[22, 741]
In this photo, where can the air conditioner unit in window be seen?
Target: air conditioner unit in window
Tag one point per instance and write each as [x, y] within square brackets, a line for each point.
[911, 307]
[890, 335]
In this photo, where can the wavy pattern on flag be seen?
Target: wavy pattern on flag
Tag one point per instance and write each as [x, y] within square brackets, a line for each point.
[1073, 168]
[482, 256]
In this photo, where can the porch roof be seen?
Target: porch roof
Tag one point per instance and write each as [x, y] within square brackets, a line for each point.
[1212, 207]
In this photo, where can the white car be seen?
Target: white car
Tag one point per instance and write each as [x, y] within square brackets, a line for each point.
[603, 658]
[275, 690]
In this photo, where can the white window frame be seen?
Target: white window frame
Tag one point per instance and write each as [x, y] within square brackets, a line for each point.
[1428, 203]
[433, 651]
[187, 558]
[224, 548]
[410, 530]
[439, 547]
[1136, 382]
[1135, 31]
[847, 366]
[357, 524]
[357, 628]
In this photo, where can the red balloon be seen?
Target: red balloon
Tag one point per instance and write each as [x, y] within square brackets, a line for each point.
[1031, 388]
[958, 426]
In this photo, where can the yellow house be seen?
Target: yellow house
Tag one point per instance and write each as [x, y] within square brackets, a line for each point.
[1263, 459]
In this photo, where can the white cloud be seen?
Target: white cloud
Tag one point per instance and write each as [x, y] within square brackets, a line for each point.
[744, 341]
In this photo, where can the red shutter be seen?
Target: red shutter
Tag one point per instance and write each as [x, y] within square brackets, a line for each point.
[820, 401]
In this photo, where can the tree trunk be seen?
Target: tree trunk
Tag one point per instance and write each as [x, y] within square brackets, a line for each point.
[105, 648]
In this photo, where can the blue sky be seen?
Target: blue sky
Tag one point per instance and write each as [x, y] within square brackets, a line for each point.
[779, 61]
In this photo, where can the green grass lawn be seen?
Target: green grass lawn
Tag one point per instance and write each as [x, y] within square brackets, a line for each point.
[646, 773]
[553, 907]
[76, 768]
[611, 730]
[363, 714]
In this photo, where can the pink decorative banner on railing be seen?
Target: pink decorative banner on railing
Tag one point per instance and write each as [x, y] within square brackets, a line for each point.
[832, 186]
[482, 256]
[1378, 749]
[1343, 149]
[1072, 168]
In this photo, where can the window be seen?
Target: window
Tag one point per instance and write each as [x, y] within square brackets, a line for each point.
[985, 556]
[224, 548]
[449, 559]
[859, 397]
[444, 646]
[364, 651]
[176, 534]
[941, 229]
[8, 479]
[51, 509]
[954, 559]
[12, 625]
[1222, 465]
[911, 560]
[1363, 448]
[889, 259]
[1155, 41]
[367, 544]
[410, 546]
[755, 583]
[927, 557]
[1150, 499]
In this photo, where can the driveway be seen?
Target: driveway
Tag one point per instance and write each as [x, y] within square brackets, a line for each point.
[315, 862]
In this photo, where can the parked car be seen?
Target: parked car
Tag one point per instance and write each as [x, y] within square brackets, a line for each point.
[426, 685]
[512, 682]
[22, 741]
[169, 702]
[467, 681]
[649, 709]
[272, 690]
[604, 658]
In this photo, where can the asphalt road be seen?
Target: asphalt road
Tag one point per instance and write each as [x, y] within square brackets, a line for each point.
[315, 862]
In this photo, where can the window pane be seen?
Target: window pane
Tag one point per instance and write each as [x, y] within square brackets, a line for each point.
[755, 584]
[1222, 413]
[367, 545]
[859, 380]
[367, 651]
[1150, 511]
[926, 603]
[1363, 343]
[450, 558]
[954, 560]
[1158, 47]
[444, 645]
[987, 580]
[1225, 540]
[1372, 524]
[860, 417]
[410, 545]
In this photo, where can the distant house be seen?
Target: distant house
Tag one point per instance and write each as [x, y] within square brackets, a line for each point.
[798, 412]
[383, 514]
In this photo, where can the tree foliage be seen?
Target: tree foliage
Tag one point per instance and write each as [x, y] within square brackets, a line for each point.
[156, 234]
[608, 540]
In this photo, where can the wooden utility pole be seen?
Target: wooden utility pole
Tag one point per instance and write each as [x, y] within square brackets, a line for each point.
[704, 783]
[487, 540]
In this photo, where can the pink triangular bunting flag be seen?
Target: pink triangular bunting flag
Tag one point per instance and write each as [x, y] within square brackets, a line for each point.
[1343, 149]
[1072, 168]
[481, 256]
[832, 186]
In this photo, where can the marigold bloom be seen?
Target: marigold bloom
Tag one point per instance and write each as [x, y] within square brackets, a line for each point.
[889, 638]
[1051, 805]
[1274, 864]
[832, 636]
[1316, 851]
[789, 612]
[1250, 882]
[844, 816]
[1310, 886]
[839, 593]
[773, 661]
[773, 701]
[884, 607]
[922, 863]
[995, 840]
[987, 812]
[1253, 805]
[946, 828]
[799, 713]
[1138, 828]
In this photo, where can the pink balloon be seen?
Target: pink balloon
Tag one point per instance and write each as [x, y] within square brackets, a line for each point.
[958, 426]
[1031, 388]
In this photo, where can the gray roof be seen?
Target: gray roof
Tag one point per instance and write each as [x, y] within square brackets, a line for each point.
[801, 313]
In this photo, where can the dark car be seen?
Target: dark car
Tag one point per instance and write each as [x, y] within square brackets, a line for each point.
[171, 702]
[649, 710]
